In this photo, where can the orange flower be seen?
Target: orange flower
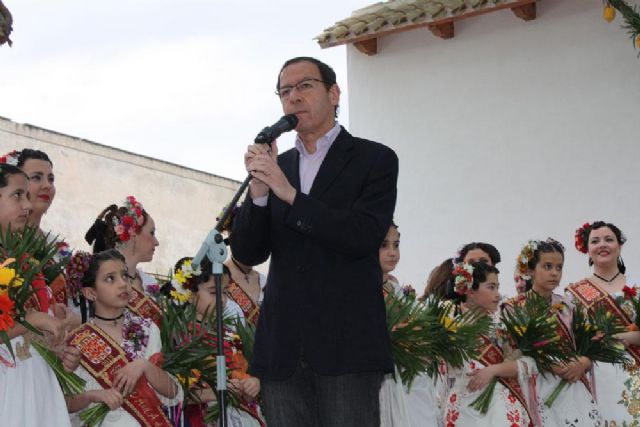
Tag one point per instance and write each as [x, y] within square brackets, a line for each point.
[6, 310]
[632, 327]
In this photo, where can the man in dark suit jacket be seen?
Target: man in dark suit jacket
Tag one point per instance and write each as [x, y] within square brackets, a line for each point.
[321, 211]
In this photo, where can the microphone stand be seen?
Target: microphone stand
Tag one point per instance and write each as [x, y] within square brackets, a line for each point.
[213, 247]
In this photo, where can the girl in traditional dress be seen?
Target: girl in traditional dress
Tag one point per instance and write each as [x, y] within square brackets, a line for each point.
[399, 405]
[197, 286]
[29, 392]
[115, 347]
[478, 289]
[246, 286]
[617, 387]
[542, 262]
[132, 231]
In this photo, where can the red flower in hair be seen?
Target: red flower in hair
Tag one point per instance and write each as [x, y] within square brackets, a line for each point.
[580, 235]
[125, 236]
[629, 293]
[128, 221]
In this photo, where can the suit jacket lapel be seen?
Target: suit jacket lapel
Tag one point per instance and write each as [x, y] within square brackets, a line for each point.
[290, 165]
[336, 159]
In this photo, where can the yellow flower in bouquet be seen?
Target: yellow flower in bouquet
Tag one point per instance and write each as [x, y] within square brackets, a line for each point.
[449, 324]
[8, 277]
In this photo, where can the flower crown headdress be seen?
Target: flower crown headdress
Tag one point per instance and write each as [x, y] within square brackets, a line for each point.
[183, 281]
[526, 255]
[11, 158]
[76, 268]
[462, 278]
[582, 234]
[131, 222]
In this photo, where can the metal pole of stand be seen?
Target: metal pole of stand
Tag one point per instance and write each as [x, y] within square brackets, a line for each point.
[213, 247]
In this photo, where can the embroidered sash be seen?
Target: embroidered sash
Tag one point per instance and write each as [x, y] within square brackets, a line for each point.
[592, 296]
[491, 354]
[144, 306]
[102, 358]
[250, 309]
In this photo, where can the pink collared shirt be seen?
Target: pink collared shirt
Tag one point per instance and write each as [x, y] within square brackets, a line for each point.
[309, 162]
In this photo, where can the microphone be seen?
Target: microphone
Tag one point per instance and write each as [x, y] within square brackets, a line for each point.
[285, 124]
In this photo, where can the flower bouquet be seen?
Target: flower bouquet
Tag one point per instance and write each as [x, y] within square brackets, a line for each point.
[425, 333]
[21, 283]
[594, 337]
[527, 327]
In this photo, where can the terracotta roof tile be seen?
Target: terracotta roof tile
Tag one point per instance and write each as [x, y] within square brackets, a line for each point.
[394, 15]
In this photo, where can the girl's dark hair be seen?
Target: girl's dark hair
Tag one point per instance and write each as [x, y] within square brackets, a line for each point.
[481, 271]
[89, 278]
[439, 279]
[545, 247]
[490, 250]
[8, 170]
[101, 234]
[28, 153]
[616, 231]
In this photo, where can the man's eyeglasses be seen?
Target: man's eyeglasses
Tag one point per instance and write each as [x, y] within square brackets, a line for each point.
[302, 86]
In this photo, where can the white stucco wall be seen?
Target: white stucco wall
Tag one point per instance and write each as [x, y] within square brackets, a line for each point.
[183, 202]
[509, 131]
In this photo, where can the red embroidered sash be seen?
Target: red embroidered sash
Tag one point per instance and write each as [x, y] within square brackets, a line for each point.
[144, 306]
[592, 296]
[102, 358]
[491, 354]
[250, 309]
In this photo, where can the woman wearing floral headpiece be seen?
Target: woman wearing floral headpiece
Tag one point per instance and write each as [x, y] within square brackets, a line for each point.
[542, 263]
[246, 287]
[132, 231]
[38, 167]
[617, 387]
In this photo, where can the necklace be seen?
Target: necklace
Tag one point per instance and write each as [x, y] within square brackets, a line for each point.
[605, 280]
[109, 319]
[246, 273]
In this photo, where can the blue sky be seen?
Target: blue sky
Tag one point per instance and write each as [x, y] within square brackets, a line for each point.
[187, 81]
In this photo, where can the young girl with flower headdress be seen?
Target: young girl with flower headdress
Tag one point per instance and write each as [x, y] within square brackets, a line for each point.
[197, 286]
[30, 395]
[542, 262]
[401, 406]
[115, 347]
[132, 231]
[476, 287]
[617, 387]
